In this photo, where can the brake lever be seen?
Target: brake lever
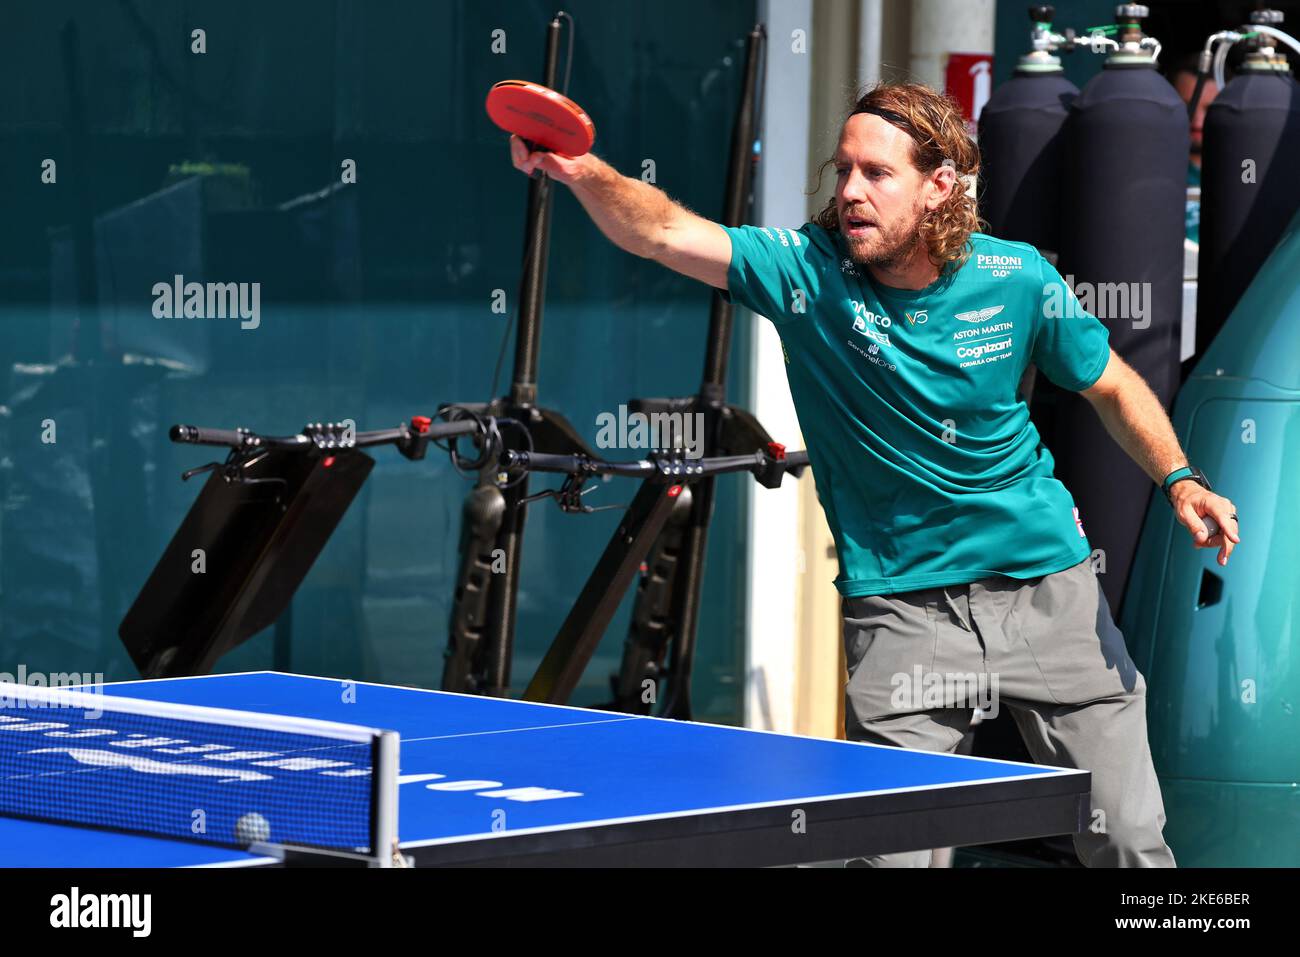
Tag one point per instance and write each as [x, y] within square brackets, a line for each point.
[569, 497]
[190, 473]
[233, 470]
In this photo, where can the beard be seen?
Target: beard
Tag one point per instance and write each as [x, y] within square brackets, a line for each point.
[889, 245]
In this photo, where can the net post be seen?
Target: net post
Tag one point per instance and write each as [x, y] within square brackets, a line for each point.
[384, 840]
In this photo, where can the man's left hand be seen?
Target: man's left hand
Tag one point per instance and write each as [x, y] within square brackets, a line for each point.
[1193, 504]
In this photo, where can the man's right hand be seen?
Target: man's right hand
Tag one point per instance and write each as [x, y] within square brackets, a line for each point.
[563, 169]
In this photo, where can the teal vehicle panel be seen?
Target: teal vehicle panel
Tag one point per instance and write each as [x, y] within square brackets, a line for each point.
[1220, 647]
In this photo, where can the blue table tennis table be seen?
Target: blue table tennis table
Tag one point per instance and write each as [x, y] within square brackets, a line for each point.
[493, 782]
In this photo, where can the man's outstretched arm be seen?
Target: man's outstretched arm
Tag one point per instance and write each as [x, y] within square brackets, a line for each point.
[1136, 420]
[635, 216]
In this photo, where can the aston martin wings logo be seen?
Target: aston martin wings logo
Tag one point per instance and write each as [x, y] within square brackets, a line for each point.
[979, 315]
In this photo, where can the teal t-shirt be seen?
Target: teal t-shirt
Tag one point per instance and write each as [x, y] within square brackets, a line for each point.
[927, 464]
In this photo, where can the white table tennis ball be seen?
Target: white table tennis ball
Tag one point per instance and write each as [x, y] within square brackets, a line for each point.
[252, 828]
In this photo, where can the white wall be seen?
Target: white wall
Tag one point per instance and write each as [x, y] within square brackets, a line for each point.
[940, 27]
[774, 561]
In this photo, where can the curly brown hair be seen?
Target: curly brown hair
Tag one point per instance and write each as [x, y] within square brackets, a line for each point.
[938, 132]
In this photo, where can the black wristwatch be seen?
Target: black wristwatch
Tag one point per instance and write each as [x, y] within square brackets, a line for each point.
[1178, 475]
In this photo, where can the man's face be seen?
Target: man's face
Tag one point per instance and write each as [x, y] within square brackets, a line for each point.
[1185, 84]
[881, 197]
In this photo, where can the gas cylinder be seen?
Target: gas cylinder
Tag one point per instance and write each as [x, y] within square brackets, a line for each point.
[1249, 186]
[1022, 142]
[1126, 154]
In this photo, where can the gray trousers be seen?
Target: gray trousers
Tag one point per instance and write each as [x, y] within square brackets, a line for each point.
[1047, 650]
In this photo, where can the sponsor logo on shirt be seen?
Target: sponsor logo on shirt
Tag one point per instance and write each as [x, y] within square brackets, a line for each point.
[984, 351]
[860, 326]
[848, 268]
[997, 328]
[979, 315]
[872, 354]
[999, 266]
[919, 317]
[864, 315]
[985, 342]
[786, 237]
[870, 324]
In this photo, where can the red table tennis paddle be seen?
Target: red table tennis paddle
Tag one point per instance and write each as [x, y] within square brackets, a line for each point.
[546, 120]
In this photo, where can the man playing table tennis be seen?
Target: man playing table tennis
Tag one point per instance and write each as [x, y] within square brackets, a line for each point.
[906, 333]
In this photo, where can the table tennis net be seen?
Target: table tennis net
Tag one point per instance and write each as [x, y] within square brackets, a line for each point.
[208, 775]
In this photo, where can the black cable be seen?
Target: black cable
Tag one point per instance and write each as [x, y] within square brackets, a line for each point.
[158, 61]
[1196, 95]
[510, 324]
[487, 436]
[758, 119]
[568, 65]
